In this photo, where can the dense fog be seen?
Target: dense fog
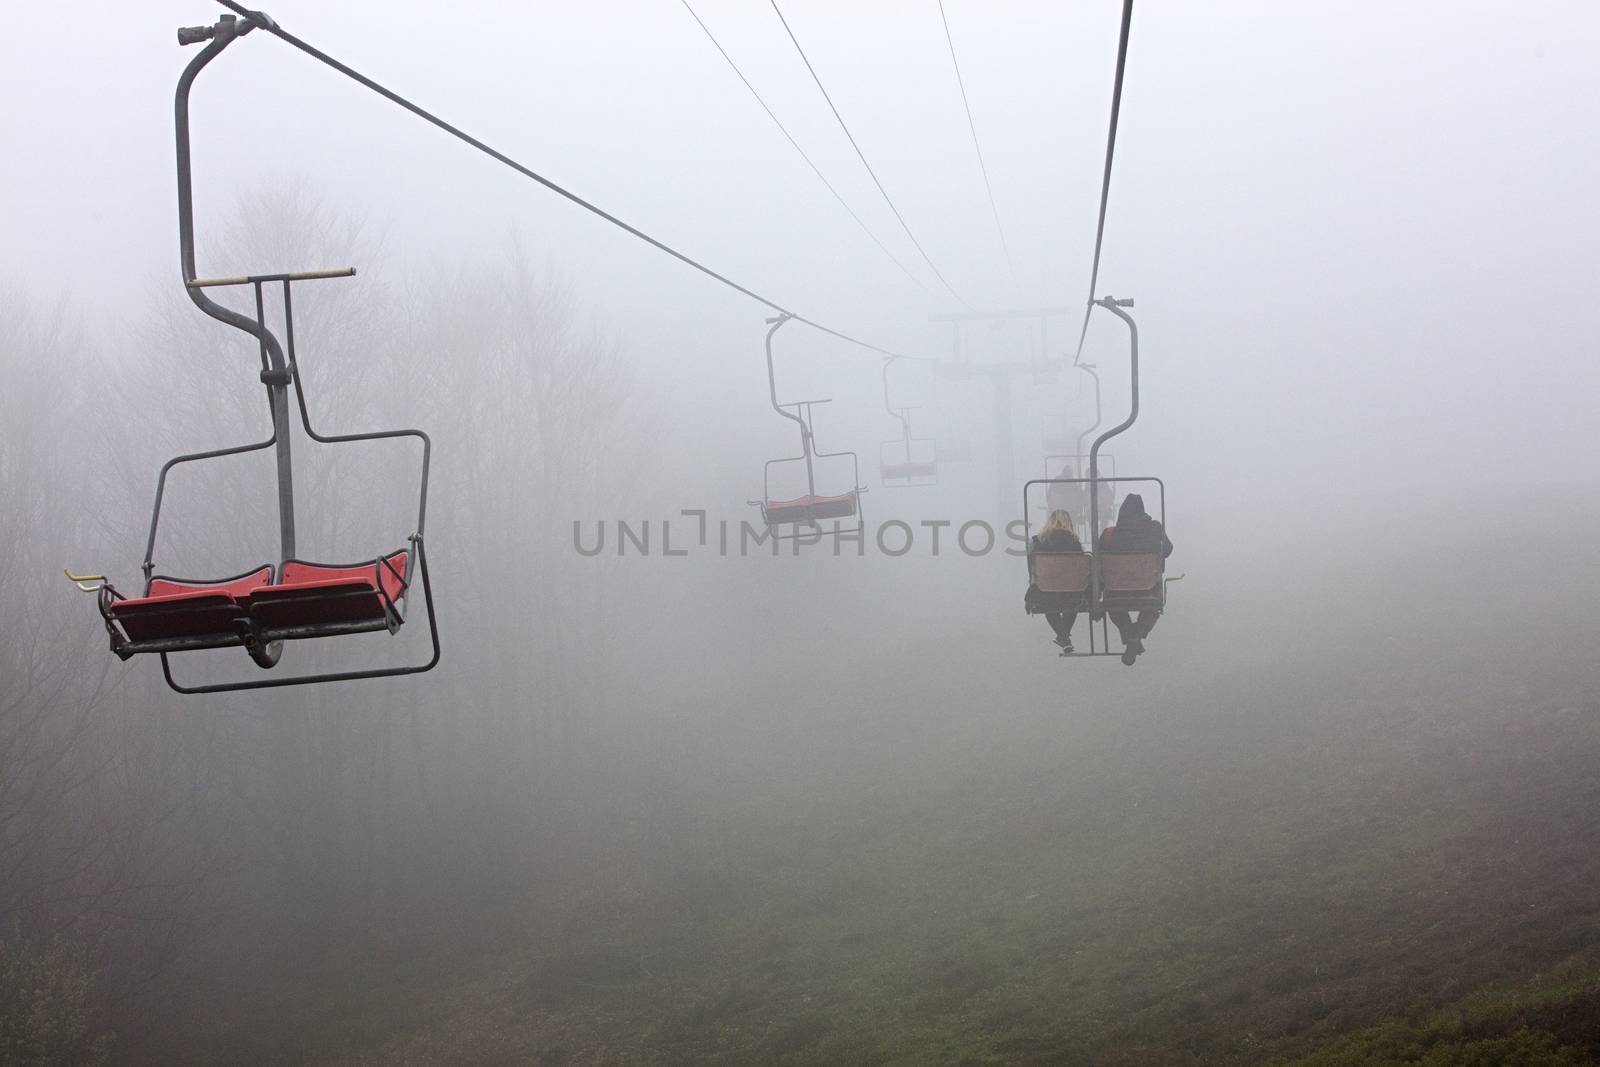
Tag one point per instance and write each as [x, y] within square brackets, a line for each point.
[679, 794]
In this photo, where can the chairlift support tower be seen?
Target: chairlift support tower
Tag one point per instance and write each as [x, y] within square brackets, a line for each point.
[1000, 377]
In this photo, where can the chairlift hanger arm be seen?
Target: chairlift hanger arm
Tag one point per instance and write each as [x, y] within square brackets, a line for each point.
[275, 375]
[225, 32]
[775, 324]
[1116, 306]
[1089, 369]
[888, 405]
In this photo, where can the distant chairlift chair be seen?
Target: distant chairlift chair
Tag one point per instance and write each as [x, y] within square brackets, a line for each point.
[906, 461]
[811, 509]
[1102, 581]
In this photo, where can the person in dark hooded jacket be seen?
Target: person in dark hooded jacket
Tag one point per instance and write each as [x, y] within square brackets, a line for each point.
[1135, 532]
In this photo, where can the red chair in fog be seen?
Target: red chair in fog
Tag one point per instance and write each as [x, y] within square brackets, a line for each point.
[263, 608]
[804, 514]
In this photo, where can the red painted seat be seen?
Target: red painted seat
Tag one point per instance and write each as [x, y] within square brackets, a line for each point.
[316, 594]
[237, 588]
[1061, 572]
[809, 508]
[1131, 581]
[176, 609]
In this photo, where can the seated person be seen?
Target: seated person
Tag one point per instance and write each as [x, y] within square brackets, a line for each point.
[1135, 532]
[1060, 609]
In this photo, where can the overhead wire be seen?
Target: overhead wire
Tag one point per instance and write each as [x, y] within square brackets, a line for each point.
[863, 157]
[814, 168]
[1105, 180]
[266, 23]
[976, 147]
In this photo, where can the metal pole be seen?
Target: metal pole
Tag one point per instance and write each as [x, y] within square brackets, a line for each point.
[1115, 306]
[275, 372]
[1088, 368]
[772, 389]
[1004, 461]
[905, 421]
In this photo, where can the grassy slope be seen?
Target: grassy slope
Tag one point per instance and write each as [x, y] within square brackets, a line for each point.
[1556, 1028]
[1179, 872]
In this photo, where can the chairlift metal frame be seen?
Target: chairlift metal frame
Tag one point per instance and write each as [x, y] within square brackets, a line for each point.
[1095, 603]
[280, 369]
[907, 472]
[810, 510]
[1081, 514]
[1093, 600]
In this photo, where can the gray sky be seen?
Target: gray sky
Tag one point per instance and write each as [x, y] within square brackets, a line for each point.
[1361, 234]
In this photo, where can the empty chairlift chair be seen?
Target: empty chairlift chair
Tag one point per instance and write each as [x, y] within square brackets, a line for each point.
[906, 461]
[810, 509]
[257, 609]
[269, 604]
[262, 608]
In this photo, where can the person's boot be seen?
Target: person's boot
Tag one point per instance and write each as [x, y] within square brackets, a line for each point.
[1131, 651]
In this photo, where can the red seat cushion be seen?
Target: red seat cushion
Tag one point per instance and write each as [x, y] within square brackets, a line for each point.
[238, 588]
[176, 609]
[810, 508]
[296, 573]
[810, 501]
[183, 615]
[281, 607]
[316, 594]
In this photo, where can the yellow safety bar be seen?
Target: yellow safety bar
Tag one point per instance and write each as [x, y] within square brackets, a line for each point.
[79, 580]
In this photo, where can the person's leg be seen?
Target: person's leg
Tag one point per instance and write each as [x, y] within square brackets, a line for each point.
[1068, 620]
[1130, 637]
[1131, 645]
[1147, 622]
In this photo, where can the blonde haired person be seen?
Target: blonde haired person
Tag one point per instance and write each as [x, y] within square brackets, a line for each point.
[1060, 609]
